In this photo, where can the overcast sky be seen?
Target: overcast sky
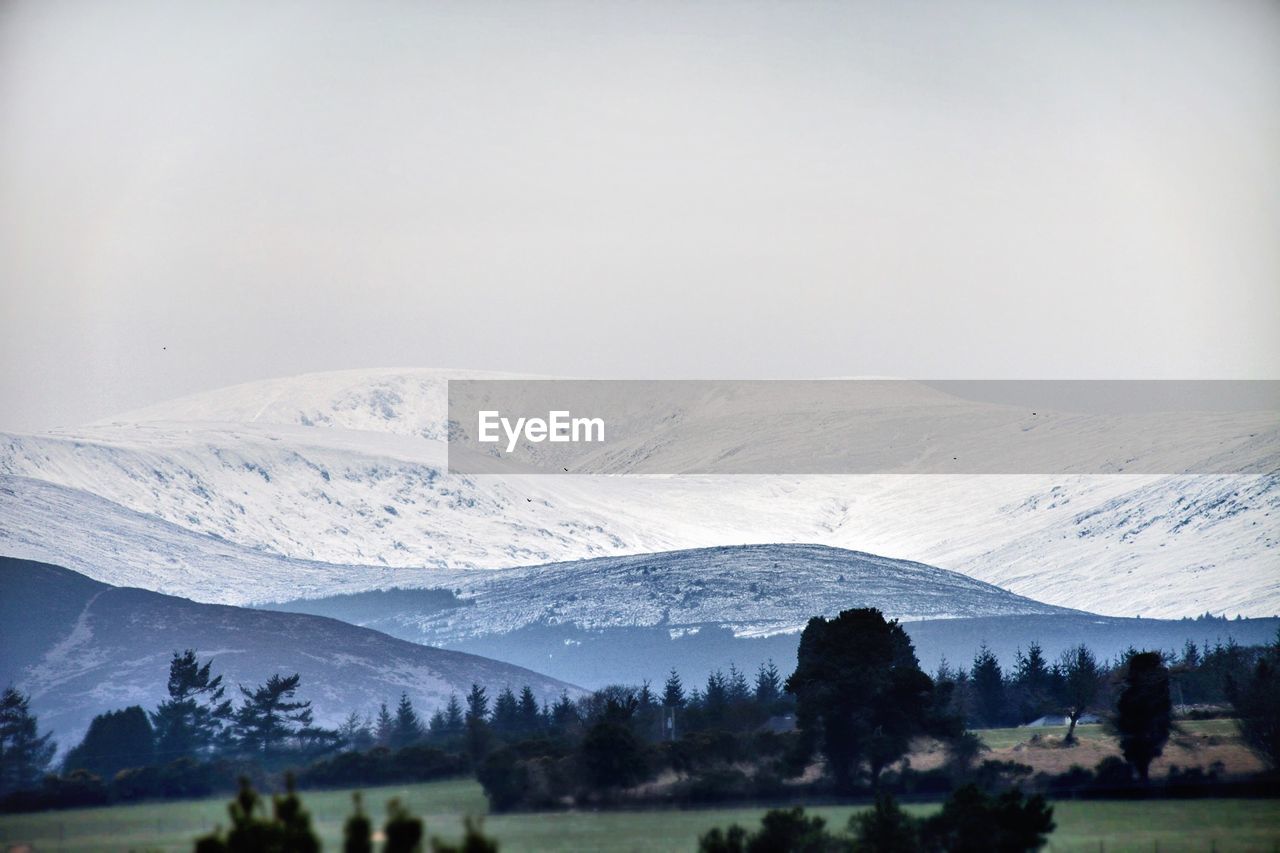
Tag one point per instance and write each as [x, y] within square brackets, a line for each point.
[198, 194]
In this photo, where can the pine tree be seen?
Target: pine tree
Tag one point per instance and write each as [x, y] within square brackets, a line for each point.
[385, 727]
[192, 721]
[768, 684]
[356, 732]
[24, 753]
[269, 714]
[454, 719]
[673, 691]
[530, 718]
[988, 687]
[564, 713]
[477, 704]
[736, 690]
[506, 713]
[406, 729]
[1032, 682]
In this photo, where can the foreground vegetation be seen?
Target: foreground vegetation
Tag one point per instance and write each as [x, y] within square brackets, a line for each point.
[1224, 825]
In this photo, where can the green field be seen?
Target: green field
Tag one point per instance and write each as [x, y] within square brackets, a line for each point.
[1224, 825]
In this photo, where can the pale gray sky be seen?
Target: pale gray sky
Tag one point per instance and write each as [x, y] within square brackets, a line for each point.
[198, 194]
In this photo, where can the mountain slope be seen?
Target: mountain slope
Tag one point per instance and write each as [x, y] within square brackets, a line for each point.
[629, 619]
[752, 590]
[81, 647]
[348, 469]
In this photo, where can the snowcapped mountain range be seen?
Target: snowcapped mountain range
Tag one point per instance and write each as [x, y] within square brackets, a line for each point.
[337, 482]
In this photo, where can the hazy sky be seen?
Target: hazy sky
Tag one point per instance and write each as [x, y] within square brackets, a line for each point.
[198, 194]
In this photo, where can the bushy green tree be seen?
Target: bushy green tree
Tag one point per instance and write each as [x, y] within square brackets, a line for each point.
[612, 756]
[972, 821]
[115, 740]
[861, 696]
[781, 831]
[885, 828]
[286, 830]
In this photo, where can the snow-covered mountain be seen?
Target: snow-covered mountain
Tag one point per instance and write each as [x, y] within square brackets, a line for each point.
[346, 470]
[754, 590]
[631, 619]
[80, 647]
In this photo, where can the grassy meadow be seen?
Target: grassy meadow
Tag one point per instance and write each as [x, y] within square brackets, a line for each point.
[1165, 825]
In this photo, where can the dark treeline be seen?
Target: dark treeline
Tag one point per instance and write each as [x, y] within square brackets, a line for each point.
[989, 695]
[840, 724]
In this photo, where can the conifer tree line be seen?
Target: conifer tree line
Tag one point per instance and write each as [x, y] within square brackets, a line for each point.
[855, 699]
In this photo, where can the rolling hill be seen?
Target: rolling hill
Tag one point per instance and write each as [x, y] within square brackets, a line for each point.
[81, 647]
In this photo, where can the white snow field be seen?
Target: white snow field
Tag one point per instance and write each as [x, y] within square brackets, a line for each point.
[336, 482]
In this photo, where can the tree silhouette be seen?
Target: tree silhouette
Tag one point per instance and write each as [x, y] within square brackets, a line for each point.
[1144, 711]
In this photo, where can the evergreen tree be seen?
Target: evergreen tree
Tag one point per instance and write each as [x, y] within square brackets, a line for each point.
[384, 729]
[477, 704]
[768, 684]
[406, 729]
[192, 721]
[737, 691]
[988, 687]
[529, 716]
[1144, 711]
[506, 713]
[1032, 681]
[269, 714]
[673, 691]
[715, 700]
[645, 696]
[356, 732]
[564, 713]
[115, 740]
[479, 737]
[24, 752]
[454, 720]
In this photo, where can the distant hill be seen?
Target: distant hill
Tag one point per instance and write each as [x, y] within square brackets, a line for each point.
[81, 647]
[627, 619]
